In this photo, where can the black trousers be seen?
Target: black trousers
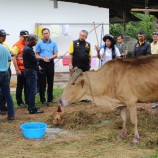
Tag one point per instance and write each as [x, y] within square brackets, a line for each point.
[46, 78]
[21, 84]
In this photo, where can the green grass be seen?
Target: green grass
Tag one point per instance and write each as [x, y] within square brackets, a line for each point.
[155, 156]
[56, 93]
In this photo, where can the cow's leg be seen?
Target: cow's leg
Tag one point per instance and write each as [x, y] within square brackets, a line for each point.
[134, 121]
[123, 116]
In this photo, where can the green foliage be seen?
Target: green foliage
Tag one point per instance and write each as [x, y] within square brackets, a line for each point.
[132, 28]
[57, 92]
[155, 156]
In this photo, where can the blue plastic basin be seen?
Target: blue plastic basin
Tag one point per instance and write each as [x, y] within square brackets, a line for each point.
[33, 130]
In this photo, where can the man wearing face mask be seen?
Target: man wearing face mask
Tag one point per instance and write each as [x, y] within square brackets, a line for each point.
[80, 53]
[19, 67]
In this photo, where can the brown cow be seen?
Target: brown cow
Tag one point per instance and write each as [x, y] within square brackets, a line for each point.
[120, 83]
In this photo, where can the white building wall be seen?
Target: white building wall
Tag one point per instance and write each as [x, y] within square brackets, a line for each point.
[16, 15]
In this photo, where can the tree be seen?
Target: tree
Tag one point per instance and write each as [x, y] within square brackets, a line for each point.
[132, 28]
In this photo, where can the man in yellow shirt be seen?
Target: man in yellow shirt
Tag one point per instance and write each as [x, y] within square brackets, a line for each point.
[80, 53]
[3, 107]
[154, 44]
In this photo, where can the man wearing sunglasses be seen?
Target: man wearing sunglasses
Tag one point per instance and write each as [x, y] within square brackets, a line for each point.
[154, 44]
[19, 67]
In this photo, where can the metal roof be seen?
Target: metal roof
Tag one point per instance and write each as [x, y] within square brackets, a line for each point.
[120, 10]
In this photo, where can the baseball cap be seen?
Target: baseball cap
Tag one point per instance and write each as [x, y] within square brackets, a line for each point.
[24, 33]
[3, 33]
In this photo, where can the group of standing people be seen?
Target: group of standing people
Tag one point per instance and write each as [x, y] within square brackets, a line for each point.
[35, 69]
[80, 50]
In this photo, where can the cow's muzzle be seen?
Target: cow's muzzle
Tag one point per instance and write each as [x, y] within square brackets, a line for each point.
[62, 102]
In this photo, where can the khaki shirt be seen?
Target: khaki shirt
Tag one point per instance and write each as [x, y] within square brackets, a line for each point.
[154, 48]
[122, 47]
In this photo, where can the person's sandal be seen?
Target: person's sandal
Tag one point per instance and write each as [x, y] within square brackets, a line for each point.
[154, 106]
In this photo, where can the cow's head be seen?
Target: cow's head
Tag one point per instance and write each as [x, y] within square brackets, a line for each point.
[75, 88]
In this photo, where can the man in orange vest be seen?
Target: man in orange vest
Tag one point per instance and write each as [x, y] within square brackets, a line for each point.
[19, 67]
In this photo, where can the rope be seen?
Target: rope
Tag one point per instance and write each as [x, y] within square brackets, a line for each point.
[96, 33]
[90, 88]
[95, 27]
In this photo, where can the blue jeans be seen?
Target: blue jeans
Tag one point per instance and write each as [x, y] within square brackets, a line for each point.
[31, 90]
[4, 85]
[2, 97]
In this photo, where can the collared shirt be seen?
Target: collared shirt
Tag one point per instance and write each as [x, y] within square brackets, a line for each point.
[46, 49]
[5, 44]
[107, 54]
[30, 60]
[71, 49]
[16, 49]
[154, 48]
[4, 57]
[10, 50]
[142, 50]
[122, 47]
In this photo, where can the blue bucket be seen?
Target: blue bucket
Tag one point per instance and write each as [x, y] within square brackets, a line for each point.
[33, 130]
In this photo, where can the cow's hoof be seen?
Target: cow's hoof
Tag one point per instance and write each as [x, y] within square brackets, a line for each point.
[123, 134]
[135, 141]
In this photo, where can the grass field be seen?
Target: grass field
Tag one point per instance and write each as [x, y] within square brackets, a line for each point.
[91, 133]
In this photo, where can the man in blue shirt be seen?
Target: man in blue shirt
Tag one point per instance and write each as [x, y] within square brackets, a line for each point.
[46, 52]
[4, 80]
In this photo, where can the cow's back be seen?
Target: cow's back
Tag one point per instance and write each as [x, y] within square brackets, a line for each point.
[141, 77]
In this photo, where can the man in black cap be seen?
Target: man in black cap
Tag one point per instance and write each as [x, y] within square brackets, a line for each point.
[142, 47]
[3, 107]
[30, 72]
[19, 67]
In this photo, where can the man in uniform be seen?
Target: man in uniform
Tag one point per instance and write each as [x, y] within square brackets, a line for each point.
[19, 67]
[80, 53]
[142, 47]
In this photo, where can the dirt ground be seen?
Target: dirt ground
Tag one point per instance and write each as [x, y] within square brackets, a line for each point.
[92, 133]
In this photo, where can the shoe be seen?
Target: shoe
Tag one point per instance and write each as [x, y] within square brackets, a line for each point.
[2, 112]
[11, 118]
[45, 103]
[22, 105]
[36, 112]
[5, 108]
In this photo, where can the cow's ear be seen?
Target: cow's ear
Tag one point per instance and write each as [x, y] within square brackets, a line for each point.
[82, 83]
